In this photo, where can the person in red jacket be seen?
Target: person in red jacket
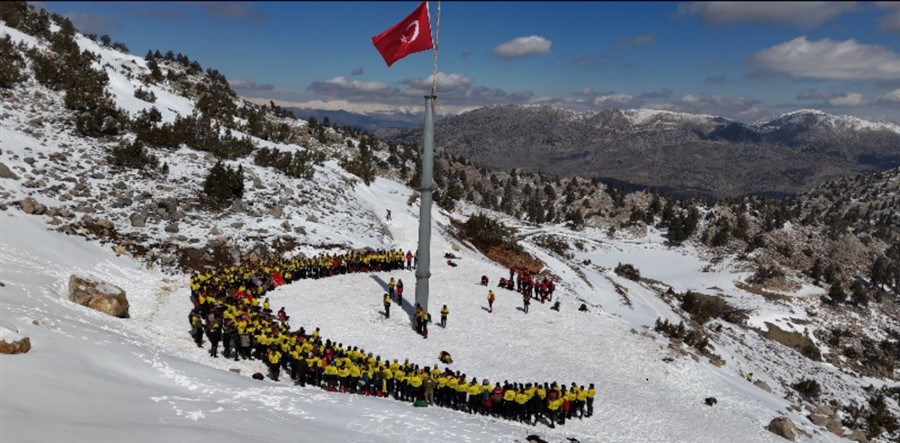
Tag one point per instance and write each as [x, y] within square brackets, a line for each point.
[496, 399]
[409, 258]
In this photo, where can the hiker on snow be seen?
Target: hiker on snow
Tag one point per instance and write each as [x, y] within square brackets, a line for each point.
[391, 285]
[274, 360]
[399, 291]
[444, 313]
[196, 327]
[387, 305]
[490, 298]
[526, 299]
[214, 334]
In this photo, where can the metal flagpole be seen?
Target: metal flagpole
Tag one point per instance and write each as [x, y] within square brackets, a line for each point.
[423, 257]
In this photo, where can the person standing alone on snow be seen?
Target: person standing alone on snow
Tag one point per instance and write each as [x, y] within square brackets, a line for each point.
[491, 302]
[444, 313]
[387, 305]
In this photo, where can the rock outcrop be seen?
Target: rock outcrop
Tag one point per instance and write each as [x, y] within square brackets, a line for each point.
[784, 427]
[98, 295]
[11, 342]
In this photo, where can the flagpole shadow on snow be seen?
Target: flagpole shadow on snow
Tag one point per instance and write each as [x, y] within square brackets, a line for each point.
[406, 305]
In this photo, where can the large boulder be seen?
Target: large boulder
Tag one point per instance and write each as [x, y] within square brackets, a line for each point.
[5, 172]
[783, 427]
[98, 295]
[11, 342]
[858, 436]
[762, 385]
[31, 206]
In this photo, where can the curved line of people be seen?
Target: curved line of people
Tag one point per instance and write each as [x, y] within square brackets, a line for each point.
[227, 309]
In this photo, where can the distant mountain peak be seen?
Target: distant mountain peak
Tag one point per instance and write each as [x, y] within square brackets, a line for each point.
[813, 117]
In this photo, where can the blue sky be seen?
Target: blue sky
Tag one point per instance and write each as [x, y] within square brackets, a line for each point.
[743, 60]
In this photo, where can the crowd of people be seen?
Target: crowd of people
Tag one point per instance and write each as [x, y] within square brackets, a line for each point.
[230, 308]
[532, 287]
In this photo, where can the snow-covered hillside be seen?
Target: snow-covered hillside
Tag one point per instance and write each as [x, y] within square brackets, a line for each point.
[146, 372]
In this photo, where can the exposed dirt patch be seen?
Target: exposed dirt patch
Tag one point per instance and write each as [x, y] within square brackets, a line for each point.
[759, 290]
[509, 258]
[794, 340]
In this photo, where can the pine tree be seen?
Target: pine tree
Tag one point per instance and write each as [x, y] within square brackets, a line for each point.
[836, 293]
[11, 67]
[576, 218]
[815, 272]
[224, 183]
[859, 295]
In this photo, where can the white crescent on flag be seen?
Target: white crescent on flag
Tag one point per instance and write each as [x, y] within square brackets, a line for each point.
[415, 33]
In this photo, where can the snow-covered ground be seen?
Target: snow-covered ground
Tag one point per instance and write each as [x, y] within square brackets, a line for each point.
[90, 377]
[93, 376]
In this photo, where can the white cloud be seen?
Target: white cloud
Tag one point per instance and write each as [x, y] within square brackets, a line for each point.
[806, 14]
[523, 47]
[92, 23]
[849, 99]
[891, 21]
[445, 82]
[739, 107]
[613, 100]
[892, 97]
[829, 59]
[250, 85]
[341, 82]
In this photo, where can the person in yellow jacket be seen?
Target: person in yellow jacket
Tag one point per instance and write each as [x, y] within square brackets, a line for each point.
[450, 393]
[392, 284]
[462, 390]
[509, 399]
[355, 374]
[553, 410]
[274, 359]
[444, 313]
[343, 378]
[490, 298]
[580, 401]
[387, 305]
[521, 400]
[401, 386]
[570, 397]
[331, 373]
[415, 386]
[476, 399]
[590, 400]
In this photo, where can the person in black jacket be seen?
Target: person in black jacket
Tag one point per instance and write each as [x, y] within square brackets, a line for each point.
[214, 334]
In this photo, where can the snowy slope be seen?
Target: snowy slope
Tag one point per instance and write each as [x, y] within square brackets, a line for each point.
[158, 380]
[92, 377]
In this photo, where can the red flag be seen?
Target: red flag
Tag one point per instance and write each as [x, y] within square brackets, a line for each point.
[411, 35]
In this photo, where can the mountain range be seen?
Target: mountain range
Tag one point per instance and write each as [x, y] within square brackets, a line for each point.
[684, 154]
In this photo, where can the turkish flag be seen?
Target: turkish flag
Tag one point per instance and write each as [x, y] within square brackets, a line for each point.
[413, 34]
